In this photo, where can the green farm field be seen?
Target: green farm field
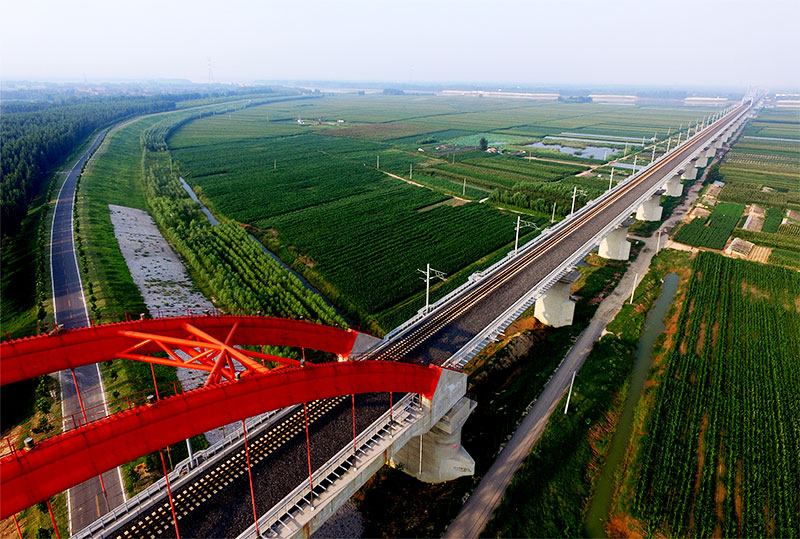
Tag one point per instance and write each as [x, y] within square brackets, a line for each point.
[319, 181]
[718, 451]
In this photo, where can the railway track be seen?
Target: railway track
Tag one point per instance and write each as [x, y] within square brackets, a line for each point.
[427, 328]
[192, 500]
[158, 522]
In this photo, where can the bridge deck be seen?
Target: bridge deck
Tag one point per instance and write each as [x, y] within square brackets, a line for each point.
[274, 478]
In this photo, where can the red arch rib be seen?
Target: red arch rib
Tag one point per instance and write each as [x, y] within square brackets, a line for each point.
[65, 460]
[33, 356]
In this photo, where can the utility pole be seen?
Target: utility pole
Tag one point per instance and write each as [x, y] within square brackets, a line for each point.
[191, 455]
[275, 164]
[611, 179]
[411, 172]
[669, 140]
[679, 139]
[635, 157]
[464, 190]
[437, 275]
[574, 195]
[520, 224]
[378, 166]
[626, 149]
[553, 218]
[653, 157]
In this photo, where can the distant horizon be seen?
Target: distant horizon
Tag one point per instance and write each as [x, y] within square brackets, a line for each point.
[711, 43]
[377, 84]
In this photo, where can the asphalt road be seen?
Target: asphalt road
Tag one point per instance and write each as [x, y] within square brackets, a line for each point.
[86, 501]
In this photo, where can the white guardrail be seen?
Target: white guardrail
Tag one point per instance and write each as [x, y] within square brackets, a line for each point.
[183, 473]
[299, 499]
[474, 279]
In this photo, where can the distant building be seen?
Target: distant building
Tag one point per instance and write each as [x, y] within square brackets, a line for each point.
[612, 98]
[500, 93]
[707, 101]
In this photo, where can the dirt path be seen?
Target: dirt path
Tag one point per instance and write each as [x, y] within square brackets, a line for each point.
[487, 496]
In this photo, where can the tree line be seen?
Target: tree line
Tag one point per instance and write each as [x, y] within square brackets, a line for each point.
[36, 137]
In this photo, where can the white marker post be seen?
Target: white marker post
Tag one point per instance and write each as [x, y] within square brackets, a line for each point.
[570, 391]
[635, 278]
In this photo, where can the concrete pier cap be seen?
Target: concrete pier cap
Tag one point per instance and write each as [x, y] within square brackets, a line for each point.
[616, 246]
[689, 171]
[651, 209]
[433, 453]
[673, 186]
[556, 307]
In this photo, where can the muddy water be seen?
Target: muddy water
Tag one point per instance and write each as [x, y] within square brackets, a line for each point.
[600, 504]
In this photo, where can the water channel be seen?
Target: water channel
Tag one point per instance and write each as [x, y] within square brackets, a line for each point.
[215, 222]
[600, 504]
[591, 152]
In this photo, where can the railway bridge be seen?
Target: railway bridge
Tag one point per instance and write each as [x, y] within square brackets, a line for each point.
[420, 431]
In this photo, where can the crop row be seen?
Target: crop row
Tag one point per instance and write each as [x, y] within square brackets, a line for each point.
[776, 240]
[370, 245]
[712, 232]
[719, 455]
[772, 220]
[231, 266]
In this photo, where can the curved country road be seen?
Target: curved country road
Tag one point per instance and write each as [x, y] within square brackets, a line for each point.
[85, 502]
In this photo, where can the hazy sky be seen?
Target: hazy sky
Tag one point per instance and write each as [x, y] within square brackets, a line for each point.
[672, 42]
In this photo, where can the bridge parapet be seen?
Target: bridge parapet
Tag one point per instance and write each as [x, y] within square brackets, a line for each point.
[300, 514]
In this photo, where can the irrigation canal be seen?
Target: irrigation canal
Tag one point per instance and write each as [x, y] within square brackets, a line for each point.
[600, 504]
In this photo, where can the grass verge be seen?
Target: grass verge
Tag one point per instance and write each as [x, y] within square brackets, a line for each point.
[550, 492]
[505, 379]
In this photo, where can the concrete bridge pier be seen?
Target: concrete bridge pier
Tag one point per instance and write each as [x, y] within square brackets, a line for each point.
[651, 209]
[719, 142]
[616, 246]
[690, 171]
[673, 186]
[702, 160]
[711, 151]
[556, 307]
[441, 457]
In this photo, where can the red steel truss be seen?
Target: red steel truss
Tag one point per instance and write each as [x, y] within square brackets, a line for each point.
[240, 384]
[27, 358]
[27, 477]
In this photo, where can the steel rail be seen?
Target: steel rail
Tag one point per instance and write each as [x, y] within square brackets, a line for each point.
[450, 312]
